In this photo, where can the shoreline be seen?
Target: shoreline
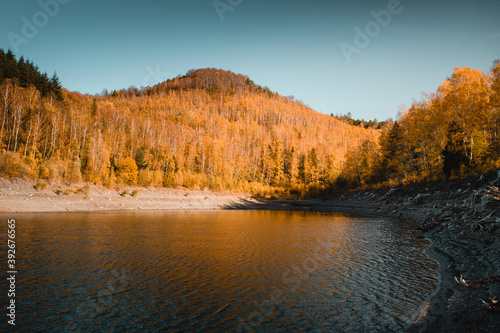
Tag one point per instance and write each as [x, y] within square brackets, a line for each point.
[460, 219]
[23, 196]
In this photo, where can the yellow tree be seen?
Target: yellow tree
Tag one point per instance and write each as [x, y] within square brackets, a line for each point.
[466, 96]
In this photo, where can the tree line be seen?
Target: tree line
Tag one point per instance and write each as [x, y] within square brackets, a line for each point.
[347, 118]
[450, 134]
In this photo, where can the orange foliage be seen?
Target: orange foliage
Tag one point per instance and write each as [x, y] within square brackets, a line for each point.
[210, 128]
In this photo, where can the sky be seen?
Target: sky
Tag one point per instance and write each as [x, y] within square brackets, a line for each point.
[367, 58]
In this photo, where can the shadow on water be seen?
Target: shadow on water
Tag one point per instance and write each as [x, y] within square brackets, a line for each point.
[263, 204]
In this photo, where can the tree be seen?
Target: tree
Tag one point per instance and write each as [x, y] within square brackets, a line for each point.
[56, 87]
[93, 110]
[454, 153]
[391, 150]
[140, 159]
[465, 94]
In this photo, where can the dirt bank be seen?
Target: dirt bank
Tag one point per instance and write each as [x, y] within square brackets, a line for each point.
[29, 196]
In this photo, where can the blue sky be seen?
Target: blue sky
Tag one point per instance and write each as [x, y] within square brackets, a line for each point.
[293, 47]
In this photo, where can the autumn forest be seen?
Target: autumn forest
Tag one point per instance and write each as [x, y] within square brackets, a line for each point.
[213, 129]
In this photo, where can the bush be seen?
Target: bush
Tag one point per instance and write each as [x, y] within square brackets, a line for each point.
[40, 186]
[144, 178]
[85, 190]
[127, 170]
[69, 191]
[53, 169]
[11, 166]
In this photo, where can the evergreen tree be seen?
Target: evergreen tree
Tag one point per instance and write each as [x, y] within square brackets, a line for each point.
[56, 87]
[391, 148]
[93, 110]
[27, 73]
[303, 169]
[140, 159]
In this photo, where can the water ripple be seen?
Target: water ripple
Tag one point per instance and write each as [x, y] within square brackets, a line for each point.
[220, 271]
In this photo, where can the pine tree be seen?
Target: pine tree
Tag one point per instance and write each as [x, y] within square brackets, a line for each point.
[93, 110]
[140, 159]
[390, 141]
[56, 87]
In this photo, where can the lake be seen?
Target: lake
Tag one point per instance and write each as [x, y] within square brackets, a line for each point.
[217, 271]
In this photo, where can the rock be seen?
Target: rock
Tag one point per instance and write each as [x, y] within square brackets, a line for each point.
[488, 241]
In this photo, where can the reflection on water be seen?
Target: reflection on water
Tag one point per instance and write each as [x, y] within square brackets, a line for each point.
[218, 271]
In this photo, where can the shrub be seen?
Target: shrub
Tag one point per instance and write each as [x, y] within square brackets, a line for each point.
[85, 190]
[127, 170]
[134, 193]
[68, 191]
[53, 169]
[11, 166]
[145, 178]
[40, 186]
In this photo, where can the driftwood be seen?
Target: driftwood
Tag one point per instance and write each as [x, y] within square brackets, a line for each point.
[493, 192]
[481, 224]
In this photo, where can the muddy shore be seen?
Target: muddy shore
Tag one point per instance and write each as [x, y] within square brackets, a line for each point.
[461, 219]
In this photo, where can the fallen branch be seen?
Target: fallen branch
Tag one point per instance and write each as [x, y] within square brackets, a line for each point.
[481, 223]
[462, 281]
[492, 304]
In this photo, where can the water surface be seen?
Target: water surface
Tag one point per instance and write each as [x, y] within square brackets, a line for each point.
[218, 271]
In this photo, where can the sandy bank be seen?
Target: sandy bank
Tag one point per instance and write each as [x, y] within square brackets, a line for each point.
[24, 196]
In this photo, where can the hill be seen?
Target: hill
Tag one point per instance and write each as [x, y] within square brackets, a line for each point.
[207, 129]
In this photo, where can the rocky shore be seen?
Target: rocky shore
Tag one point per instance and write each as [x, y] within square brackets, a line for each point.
[462, 220]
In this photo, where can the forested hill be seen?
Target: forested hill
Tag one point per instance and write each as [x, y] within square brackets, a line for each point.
[207, 129]
[219, 130]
